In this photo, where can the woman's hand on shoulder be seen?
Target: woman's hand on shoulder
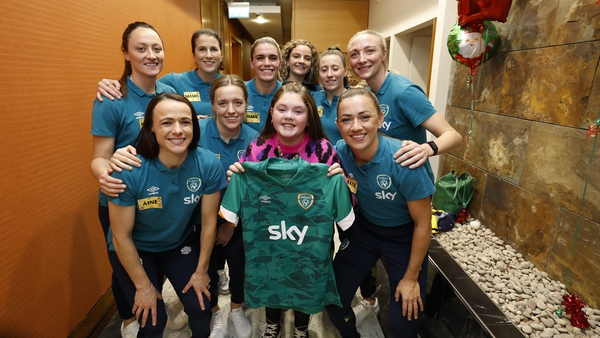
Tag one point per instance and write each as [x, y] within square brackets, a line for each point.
[335, 169]
[234, 168]
[124, 158]
[109, 185]
[412, 154]
[108, 88]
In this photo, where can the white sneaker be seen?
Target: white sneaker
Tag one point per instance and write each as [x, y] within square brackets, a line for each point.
[216, 325]
[364, 309]
[175, 321]
[241, 323]
[131, 331]
[223, 282]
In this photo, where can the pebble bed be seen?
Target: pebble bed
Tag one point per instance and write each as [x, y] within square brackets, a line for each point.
[525, 294]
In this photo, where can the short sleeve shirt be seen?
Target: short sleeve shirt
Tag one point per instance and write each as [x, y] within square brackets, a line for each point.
[190, 85]
[258, 105]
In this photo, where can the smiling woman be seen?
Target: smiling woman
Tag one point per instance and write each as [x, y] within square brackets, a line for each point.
[151, 236]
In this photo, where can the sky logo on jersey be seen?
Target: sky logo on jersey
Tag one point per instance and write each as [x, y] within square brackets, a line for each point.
[384, 181]
[153, 190]
[193, 184]
[306, 200]
[265, 199]
[193, 199]
[283, 232]
[150, 203]
[385, 109]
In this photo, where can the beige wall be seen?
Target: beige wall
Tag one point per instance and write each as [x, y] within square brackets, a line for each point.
[327, 23]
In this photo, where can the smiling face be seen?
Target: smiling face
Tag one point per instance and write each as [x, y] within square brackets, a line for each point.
[173, 127]
[332, 73]
[145, 53]
[367, 56]
[229, 106]
[300, 61]
[265, 62]
[207, 54]
[290, 117]
[359, 120]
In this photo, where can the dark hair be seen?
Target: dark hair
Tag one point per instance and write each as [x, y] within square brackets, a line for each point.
[359, 92]
[313, 74]
[314, 128]
[209, 32]
[260, 41]
[335, 50]
[146, 144]
[228, 80]
[125, 47]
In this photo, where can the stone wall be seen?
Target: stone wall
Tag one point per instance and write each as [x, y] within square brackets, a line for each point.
[529, 151]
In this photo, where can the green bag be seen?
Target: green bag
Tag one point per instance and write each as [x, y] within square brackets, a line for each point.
[453, 193]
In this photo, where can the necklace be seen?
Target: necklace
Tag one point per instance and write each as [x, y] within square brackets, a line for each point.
[295, 155]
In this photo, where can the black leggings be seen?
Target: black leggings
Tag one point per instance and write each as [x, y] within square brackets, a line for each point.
[274, 315]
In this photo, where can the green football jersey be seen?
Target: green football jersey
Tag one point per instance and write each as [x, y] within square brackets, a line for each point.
[288, 209]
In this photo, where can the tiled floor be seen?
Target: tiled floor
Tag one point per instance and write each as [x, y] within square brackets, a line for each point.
[319, 327]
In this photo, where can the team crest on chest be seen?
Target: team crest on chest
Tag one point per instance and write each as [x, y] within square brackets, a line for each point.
[193, 184]
[384, 181]
[320, 111]
[385, 109]
[240, 153]
[306, 200]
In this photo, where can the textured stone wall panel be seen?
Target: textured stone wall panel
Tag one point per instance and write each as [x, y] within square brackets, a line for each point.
[584, 261]
[519, 217]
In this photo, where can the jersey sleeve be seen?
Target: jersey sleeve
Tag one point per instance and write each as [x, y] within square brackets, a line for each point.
[129, 196]
[341, 204]
[214, 178]
[168, 79]
[231, 203]
[415, 105]
[415, 183]
[105, 121]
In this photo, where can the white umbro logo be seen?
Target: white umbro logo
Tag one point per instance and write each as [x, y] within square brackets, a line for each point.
[153, 190]
[265, 199]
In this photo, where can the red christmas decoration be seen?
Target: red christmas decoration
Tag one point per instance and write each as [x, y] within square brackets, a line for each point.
[592, 129]
[463, 215]
[475, 11]
[573, 306]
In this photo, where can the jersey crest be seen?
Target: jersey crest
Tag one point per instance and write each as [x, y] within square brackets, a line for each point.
[384, 181]
[193, 184]
[306, 200]
[385, 109]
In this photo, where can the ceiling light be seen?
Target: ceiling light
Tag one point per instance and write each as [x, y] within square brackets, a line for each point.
[259, 18]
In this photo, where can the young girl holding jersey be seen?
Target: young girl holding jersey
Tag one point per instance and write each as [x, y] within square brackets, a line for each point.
[151, 235]
[393, 218]
[293, 129]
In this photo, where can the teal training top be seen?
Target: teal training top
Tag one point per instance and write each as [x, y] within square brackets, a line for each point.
[383, 186]
[258, 105]
[122, 119]
[190, 85]
[166, 199]
[287, 209]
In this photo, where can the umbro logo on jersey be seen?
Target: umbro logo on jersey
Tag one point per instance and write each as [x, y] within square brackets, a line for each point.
[153, 190]
[265, 199]
[250, 107]
[139, 115]
[283, 232]
[306, 200]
